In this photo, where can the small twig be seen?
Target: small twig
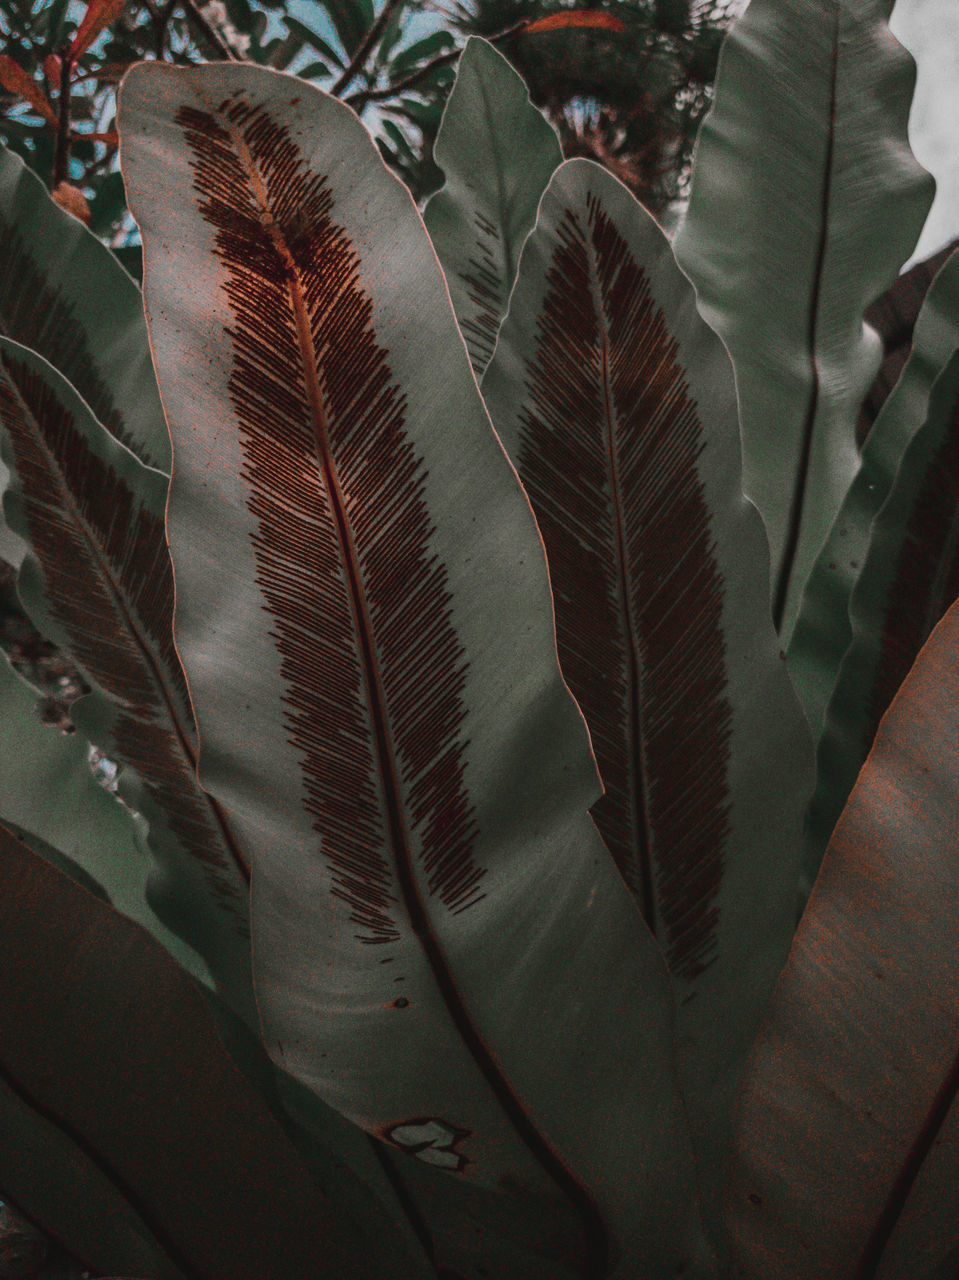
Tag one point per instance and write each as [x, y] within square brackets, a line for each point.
[160, 19]
[95, 166]
[208, 32]
[61, 158]
[359, 100]
[371, 39]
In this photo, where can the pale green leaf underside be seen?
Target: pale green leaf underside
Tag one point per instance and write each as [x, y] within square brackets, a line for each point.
[469, 973]
[93, 514]
[497, 152]
[616, 404]
[47, 787]
[805, 202]
[907, 582]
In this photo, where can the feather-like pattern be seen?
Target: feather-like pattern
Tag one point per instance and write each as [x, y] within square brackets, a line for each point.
[360, 607]
[609, 441]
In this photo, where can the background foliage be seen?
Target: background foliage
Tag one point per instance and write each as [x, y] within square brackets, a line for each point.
[629, 93]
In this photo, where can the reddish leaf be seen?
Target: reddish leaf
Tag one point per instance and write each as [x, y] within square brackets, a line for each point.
[99, 14]
[848, 1124]
[52, 66]
[15, 80]
[73, 200]
[111, 138]
[583, 19]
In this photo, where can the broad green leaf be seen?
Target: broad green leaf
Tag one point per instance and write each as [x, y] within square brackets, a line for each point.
[65, 295]
[112, 1062]
[497, 152]
[392, 33]
[617, 406]
[310, 37]
[351, 20]
[47, 789]
[852, 1081]
[443, 949]
[99, 585]
[823, 633]
[353, 1167]
[909, 578]
[413, 55]
[805, 202]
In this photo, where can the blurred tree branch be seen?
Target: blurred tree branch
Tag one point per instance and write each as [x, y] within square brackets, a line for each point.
[629, 95]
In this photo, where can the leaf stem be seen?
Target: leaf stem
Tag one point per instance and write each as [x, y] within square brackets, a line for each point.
[61, 159]
[359, 100]
[371, 39]
[209, 33]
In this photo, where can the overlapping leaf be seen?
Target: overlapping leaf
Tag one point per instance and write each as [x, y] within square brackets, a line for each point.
[858, 1057]
[48, 790]
[909, 579]
[99, 584]
[127, 1129]
[617, 406]
[64, 294]
[822, 634]
[497, 152]
[894, 315]
[805, 202]
[442, 947]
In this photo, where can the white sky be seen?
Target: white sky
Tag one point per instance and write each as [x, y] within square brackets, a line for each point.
[930, 31]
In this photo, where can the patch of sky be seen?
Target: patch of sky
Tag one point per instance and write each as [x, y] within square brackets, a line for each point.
[930, 31]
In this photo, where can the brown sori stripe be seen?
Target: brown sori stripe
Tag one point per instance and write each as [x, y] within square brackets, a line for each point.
[108, 577]
[36, 316]
[486, 290]
[357, 598]
[926, 578]
[343, 541]
[609, 442]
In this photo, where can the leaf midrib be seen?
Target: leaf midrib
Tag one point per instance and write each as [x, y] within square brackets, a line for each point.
[797, 504]
[638, 772]
[909, 1170]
